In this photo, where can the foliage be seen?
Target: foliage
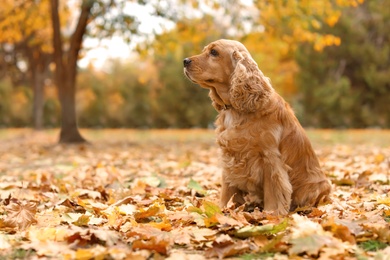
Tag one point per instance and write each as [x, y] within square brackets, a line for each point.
[113, 98]
[293, 21]
[16, 105]
[26, 21]
[330, 61]
[13, 104]
[181, 103]
[347, 86]
[140, 194]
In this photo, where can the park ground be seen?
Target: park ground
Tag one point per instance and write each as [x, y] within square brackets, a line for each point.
[153, 194]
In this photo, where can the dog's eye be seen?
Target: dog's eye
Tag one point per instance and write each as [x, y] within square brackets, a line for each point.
[213, 52]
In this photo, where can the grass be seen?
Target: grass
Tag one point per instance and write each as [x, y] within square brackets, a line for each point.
[377, 137]
[373, 245]
[319, 137]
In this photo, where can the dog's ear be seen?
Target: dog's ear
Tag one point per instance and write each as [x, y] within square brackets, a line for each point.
[249, 89]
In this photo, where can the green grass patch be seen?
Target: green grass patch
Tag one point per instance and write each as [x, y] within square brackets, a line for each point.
[18, 254]
[372, 245]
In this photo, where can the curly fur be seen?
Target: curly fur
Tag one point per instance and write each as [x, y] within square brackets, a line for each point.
[265, 152]
[249, 88]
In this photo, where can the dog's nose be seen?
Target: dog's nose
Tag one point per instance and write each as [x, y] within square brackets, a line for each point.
[186, 62]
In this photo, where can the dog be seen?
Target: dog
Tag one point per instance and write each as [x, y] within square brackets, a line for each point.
[265, 152]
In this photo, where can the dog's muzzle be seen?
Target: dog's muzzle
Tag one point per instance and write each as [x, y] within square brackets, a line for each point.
[186, 62]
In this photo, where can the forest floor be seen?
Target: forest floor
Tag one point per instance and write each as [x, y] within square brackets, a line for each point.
[153, 194]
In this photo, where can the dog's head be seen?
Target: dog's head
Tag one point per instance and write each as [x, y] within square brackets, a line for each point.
[227, 69]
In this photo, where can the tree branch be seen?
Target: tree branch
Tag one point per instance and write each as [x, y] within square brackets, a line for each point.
[77, 36]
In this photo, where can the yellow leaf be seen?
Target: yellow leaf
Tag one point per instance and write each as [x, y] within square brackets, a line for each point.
[82, 221]
[150, 212]
[333, 19]
[316, 24]
[48, 234]
[82, 254]
[379, 158]
[385, 201]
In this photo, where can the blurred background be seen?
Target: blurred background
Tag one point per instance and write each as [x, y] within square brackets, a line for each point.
[329, 59]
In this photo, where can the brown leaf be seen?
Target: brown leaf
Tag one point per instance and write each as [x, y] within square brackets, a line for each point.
[21, 214]
[315, 213]
[256, 216]
[149, 212]
[160, 246]
[150, 238]
[182, 236]
[227, 221]
[240, 217]
[340, 231]
[224, 246]
[147, 232]
[203, 235]
[84, 237]
[74, 206]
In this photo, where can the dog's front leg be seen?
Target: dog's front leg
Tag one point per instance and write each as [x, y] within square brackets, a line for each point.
[277, 186]
[229, 191]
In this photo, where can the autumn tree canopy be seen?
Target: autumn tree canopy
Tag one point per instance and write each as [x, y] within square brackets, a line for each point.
[293, 42]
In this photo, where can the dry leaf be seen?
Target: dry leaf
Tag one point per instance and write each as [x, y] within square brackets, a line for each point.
[105, 201]
[20, 214]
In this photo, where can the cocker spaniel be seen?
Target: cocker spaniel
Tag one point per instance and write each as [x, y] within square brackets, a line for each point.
[265, 151]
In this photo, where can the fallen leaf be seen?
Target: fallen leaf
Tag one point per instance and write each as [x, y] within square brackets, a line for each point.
[4, 245]
[159, 246]
[106, 201]
[210, 208]
[252, 231]
[226, 248]
[146, 213]
[196, 186]
[311, 244]
[202, 235]
[82, 221]
[228, 221]
[20, 214]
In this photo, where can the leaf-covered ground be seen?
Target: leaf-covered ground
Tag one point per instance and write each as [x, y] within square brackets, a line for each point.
[154, 195]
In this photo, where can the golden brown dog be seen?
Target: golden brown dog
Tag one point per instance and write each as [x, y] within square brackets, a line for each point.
[265, 151]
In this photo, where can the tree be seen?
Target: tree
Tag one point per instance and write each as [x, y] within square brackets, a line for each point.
[24, 37]
[281, 26]
[348, 86]
[178, 102]
[66, 69]
[104, 24]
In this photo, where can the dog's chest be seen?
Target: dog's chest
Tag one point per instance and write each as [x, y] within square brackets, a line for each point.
[245, 145]
[230, 119]
[240, 150]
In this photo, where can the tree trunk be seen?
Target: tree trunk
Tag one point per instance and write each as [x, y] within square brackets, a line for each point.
[39, 69]
[66, 71]
[69, 129]
[38, 90]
